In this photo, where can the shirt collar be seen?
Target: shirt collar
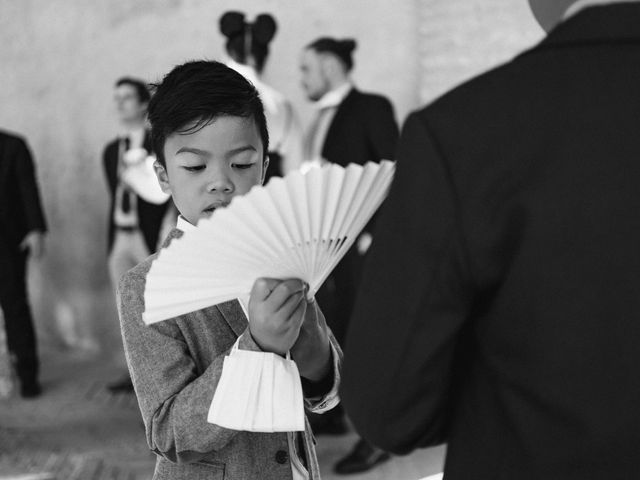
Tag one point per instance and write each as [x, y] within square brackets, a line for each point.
[135, 136]
[184, 225]
[582, 4]
[334, 97]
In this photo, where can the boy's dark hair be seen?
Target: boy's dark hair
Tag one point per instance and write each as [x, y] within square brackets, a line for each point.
[141, 87]
[246, 39]
[342, 49]
[195, 93]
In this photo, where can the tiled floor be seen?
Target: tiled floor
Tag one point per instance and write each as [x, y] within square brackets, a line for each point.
[78, 431]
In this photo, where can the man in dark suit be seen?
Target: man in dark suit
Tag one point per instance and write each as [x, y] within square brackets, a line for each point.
[22, 229]
[134, 222]
[503, 284]
[349, 127]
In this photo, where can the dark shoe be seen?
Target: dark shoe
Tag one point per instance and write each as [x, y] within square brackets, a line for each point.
[30, 390]
[123, 385]
[363, 457]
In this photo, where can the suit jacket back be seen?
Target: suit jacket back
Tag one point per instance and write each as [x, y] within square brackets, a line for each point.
[508, 257]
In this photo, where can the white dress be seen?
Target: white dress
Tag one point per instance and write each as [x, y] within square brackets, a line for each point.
[285, 131]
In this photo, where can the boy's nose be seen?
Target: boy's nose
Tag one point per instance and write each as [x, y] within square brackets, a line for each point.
[219, 182]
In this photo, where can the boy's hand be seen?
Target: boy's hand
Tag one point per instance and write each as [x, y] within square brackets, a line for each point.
[312, 351]
[276, 312]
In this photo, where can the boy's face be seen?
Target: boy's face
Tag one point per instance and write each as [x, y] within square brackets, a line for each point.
[207, 168]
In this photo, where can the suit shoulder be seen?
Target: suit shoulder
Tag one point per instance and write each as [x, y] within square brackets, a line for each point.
[12, 139]
[487, 91]
[111, 145]
[372, 99]
[134, 280]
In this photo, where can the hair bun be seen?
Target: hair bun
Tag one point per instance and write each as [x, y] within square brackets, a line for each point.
[232, 24]
[264, 28]
[348, 44]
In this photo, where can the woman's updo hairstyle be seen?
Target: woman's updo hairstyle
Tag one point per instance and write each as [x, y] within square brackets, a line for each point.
[343, 49]
[246, 39]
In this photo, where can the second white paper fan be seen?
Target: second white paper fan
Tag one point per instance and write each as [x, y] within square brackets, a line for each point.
[299, 226]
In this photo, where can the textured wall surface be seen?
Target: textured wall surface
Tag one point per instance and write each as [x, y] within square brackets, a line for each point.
[59, 59]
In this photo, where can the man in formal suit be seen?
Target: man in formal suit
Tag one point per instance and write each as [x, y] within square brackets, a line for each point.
[349, 127]
[134, 223]
[22, 229]
[503, 283]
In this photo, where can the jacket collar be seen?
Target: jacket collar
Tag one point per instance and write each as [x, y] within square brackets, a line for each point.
[615, 23]
[231, 311]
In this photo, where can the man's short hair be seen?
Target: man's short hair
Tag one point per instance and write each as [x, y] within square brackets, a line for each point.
[195, 93]
[342, 49]
[141, 87]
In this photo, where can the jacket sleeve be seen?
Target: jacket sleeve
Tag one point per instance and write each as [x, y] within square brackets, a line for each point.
[28, 186]
[412, 307]
[326, 398]
[174, 399]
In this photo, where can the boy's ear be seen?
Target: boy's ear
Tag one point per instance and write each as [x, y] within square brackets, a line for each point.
[163, 178]
[265, 164]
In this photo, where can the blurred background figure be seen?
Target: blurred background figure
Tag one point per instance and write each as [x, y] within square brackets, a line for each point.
[135, 217]
[248, 48]
[22, 229]
[349, 127]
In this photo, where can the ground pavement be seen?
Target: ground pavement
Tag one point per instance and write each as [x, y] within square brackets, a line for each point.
[78, 431]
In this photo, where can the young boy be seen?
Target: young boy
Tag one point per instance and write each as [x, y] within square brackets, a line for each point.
[210, 137]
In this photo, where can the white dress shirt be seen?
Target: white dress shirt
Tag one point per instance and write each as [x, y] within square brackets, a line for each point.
[326, 109]
[582, 4]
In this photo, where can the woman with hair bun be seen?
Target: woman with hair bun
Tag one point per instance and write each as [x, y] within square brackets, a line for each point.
[248, 48]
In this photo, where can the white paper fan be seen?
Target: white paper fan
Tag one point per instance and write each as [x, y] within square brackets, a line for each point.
[299, 226]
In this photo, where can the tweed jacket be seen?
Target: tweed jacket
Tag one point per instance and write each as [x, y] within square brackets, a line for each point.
[175, 366]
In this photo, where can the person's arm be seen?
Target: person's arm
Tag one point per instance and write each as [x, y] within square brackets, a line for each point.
[414, 300]
[32, 211]
[292, 143]
[319, 358]
[174, 399]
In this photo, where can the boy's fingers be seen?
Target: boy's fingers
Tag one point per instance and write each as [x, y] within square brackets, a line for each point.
[290, 306]
[282, 292]
[263, 287]
[299, 312]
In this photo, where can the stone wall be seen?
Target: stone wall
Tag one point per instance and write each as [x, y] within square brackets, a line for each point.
[60, 58]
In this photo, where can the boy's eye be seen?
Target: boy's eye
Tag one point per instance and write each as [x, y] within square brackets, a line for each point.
[243, 166]
[194, 168]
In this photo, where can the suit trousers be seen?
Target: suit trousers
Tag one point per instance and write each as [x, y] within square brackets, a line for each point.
[21, 339]
[129, 249]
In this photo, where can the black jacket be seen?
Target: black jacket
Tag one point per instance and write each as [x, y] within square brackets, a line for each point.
[20, 208]
[363, 129]
[500, 305]
[150, 216]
